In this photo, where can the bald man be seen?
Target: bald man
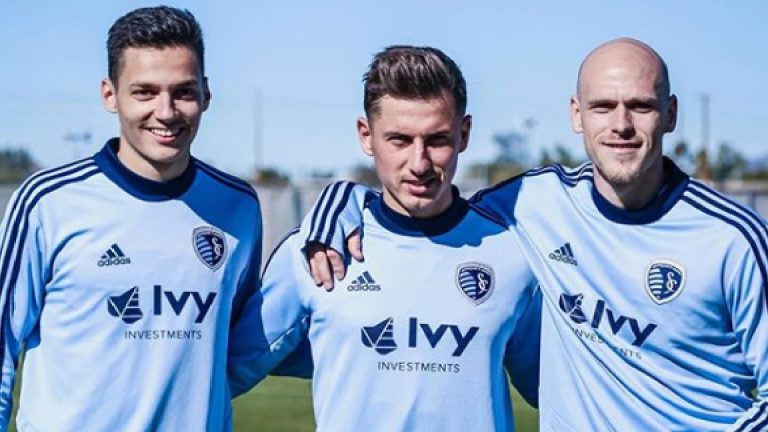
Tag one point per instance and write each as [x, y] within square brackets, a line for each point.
[656, 310]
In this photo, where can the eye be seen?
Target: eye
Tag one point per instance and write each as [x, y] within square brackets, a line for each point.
[602, 108]
[142, 94]
[398, 140]
[439, 141]
[643, 107]
[187, 94]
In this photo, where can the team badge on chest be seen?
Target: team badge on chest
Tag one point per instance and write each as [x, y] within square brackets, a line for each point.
[210, 246]
[475, 281]
[664, 281]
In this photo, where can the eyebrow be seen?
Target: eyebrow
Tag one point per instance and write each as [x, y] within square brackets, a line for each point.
[189, 83]
[440, 133]
[648, 100]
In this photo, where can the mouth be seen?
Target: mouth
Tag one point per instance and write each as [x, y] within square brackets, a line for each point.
[622, 145]
[421, 186]
[165, 134]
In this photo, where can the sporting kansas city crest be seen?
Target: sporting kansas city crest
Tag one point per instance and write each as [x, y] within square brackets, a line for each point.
[210, 246]
[664, 281]
[475, 281]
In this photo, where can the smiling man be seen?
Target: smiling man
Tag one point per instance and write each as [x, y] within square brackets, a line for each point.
[420, 339]
[122, 272]
[655, 290]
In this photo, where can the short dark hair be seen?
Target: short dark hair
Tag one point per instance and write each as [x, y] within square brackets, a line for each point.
[411, 72]
[156, 27]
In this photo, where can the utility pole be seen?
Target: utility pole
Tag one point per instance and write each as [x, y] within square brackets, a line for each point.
[258, 136]
[703, 168]
[77, 138]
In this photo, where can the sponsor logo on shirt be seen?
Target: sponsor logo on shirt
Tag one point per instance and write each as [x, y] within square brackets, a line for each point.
[127, 307]
[113, 256]
[564, 254]
[382, 339]
[364, 282]
[604, 320]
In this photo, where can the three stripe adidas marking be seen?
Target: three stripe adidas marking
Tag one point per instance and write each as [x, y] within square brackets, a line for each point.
[113, 256]
[564, 254]
[364, 282]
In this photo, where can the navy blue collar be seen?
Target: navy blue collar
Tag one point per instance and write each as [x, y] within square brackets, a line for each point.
[418, 227]
[675, 182]
[136, 185]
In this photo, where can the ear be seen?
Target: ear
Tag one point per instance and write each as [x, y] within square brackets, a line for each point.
[206, 94]
[466, 126]
[576, 115]
[109, 95]
[364, 133]
[671, 114]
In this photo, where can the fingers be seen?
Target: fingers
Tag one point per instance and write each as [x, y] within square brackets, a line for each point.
[337, 264]
[355, 245]
[320, 265]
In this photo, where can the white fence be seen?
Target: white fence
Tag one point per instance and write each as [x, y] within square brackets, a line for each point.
[283, 207]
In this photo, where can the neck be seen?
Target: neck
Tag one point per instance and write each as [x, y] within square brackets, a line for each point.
[634, 194]
[152, 170]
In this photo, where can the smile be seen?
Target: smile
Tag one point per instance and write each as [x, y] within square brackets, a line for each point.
[164, 132]
[623, 145]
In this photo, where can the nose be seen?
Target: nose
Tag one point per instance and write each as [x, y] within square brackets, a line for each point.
[622, 122]
[165, 110]
[419, 161]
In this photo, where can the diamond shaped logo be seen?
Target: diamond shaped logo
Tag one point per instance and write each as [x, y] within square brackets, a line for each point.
[210, 246]
[475, 281]
[664, 281]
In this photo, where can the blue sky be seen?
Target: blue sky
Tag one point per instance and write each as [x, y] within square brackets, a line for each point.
[285, 75]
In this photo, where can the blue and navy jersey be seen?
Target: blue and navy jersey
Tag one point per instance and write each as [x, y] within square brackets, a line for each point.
[120, 291]
[417, 336]
[655, 319]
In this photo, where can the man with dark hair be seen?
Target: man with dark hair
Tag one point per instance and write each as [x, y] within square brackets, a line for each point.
[121, 273]
[420, 339]
[655, 286]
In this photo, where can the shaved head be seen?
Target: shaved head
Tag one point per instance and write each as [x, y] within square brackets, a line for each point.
[626, 50]
[623, 108]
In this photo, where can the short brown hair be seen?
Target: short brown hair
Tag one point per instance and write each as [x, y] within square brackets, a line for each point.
[410, 72]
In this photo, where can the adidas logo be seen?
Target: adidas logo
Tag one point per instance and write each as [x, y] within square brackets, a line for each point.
[113, 256]
[364, 282]
[564, 254]
[380, 337]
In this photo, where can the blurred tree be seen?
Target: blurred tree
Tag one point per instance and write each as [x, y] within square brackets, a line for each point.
[729, 163]
[16, 165]
[703, 169]
[366, 174]
[682, 156]
[560, 155]
[271, 177]
[513, 147]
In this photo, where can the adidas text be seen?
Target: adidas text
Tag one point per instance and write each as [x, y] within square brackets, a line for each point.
[364, 287]
[113, 261]
[562, 258]
[364, 282]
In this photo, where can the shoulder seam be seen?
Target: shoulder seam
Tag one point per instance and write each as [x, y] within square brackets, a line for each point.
[568, 177]
[227, 180]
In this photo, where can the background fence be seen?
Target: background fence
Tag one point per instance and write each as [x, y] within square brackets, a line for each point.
[284, 206]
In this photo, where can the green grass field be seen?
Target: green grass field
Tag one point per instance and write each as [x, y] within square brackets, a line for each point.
[285, 405]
